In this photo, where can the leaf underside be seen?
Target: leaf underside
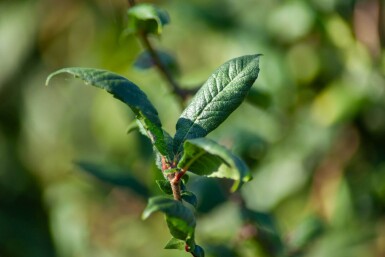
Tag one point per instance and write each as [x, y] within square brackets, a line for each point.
[221, 94]
[180, 219]
[205, 157]
[127, 92]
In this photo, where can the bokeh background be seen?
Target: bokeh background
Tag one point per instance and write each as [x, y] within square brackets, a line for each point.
[314, 138]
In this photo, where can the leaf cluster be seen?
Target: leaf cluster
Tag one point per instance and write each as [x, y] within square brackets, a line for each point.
[188, 150]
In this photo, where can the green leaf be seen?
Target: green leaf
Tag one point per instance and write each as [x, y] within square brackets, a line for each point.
[145, 61]
[221, 94]
[205, 157]
[198, 251]
[146, 18]
[175, 244]
[126, 91]
[180, 219]
[114, 176]
[190, 198]
[258, 98]
[164, 186]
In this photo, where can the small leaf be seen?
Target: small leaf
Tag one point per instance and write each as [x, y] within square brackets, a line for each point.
[126, 91]
[145, 61]
[114, 176]
[164, 186]
[258, 98]
[205, 157]
[180, 219]
[175, 244]
[221, 94]
[146, 18]
[198, 251]
[190, 197]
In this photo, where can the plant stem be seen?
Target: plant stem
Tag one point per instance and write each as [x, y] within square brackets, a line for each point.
[181, 93]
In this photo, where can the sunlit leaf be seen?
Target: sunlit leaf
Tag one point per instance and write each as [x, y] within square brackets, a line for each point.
[126, 91]
[205, 157]
[221, 94]
[175, 244]
[146, 18]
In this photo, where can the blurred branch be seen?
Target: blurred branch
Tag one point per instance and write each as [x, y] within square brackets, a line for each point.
[174, 87]
[381, 22]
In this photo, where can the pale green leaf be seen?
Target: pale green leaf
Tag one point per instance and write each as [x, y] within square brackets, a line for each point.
[175, 243]
[205, 157]
[221, 94]
[146, 18]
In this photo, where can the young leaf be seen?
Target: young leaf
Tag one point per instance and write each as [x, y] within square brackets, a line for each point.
[175, 244]
[164, 186]
[115, 177]
[221, 94]
[180, 219]
[205, 157]
[127, 92]
[146, 18]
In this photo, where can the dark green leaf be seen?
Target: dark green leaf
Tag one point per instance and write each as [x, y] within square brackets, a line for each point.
[198, 251]
[221, 94]
[146, 18]
[114, 176]
[165, 186]
[205, 157]
[126, 91]
[258, 98]
[185, 179]
[190, 197]
[145, 61]
[180, 219]
[175, 244]
[308, 230]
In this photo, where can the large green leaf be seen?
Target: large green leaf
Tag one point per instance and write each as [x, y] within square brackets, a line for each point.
[205, 157]
[146, 18]
[180, 219]
[221, 94]
[126, 91]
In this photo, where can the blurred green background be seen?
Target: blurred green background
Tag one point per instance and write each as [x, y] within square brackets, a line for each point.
[317, 151]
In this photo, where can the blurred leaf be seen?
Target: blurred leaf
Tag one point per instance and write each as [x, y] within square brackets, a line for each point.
[309, 229]
[198, 251]
[222, 250]
[267, 232]
[146, 18]
[180, 219]
[115, 177]
[258, 98]
[175, 244]
[221, 94]
[205, 157]
[145, 61]
[190, 198]
[164, 186]
[126, 91]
